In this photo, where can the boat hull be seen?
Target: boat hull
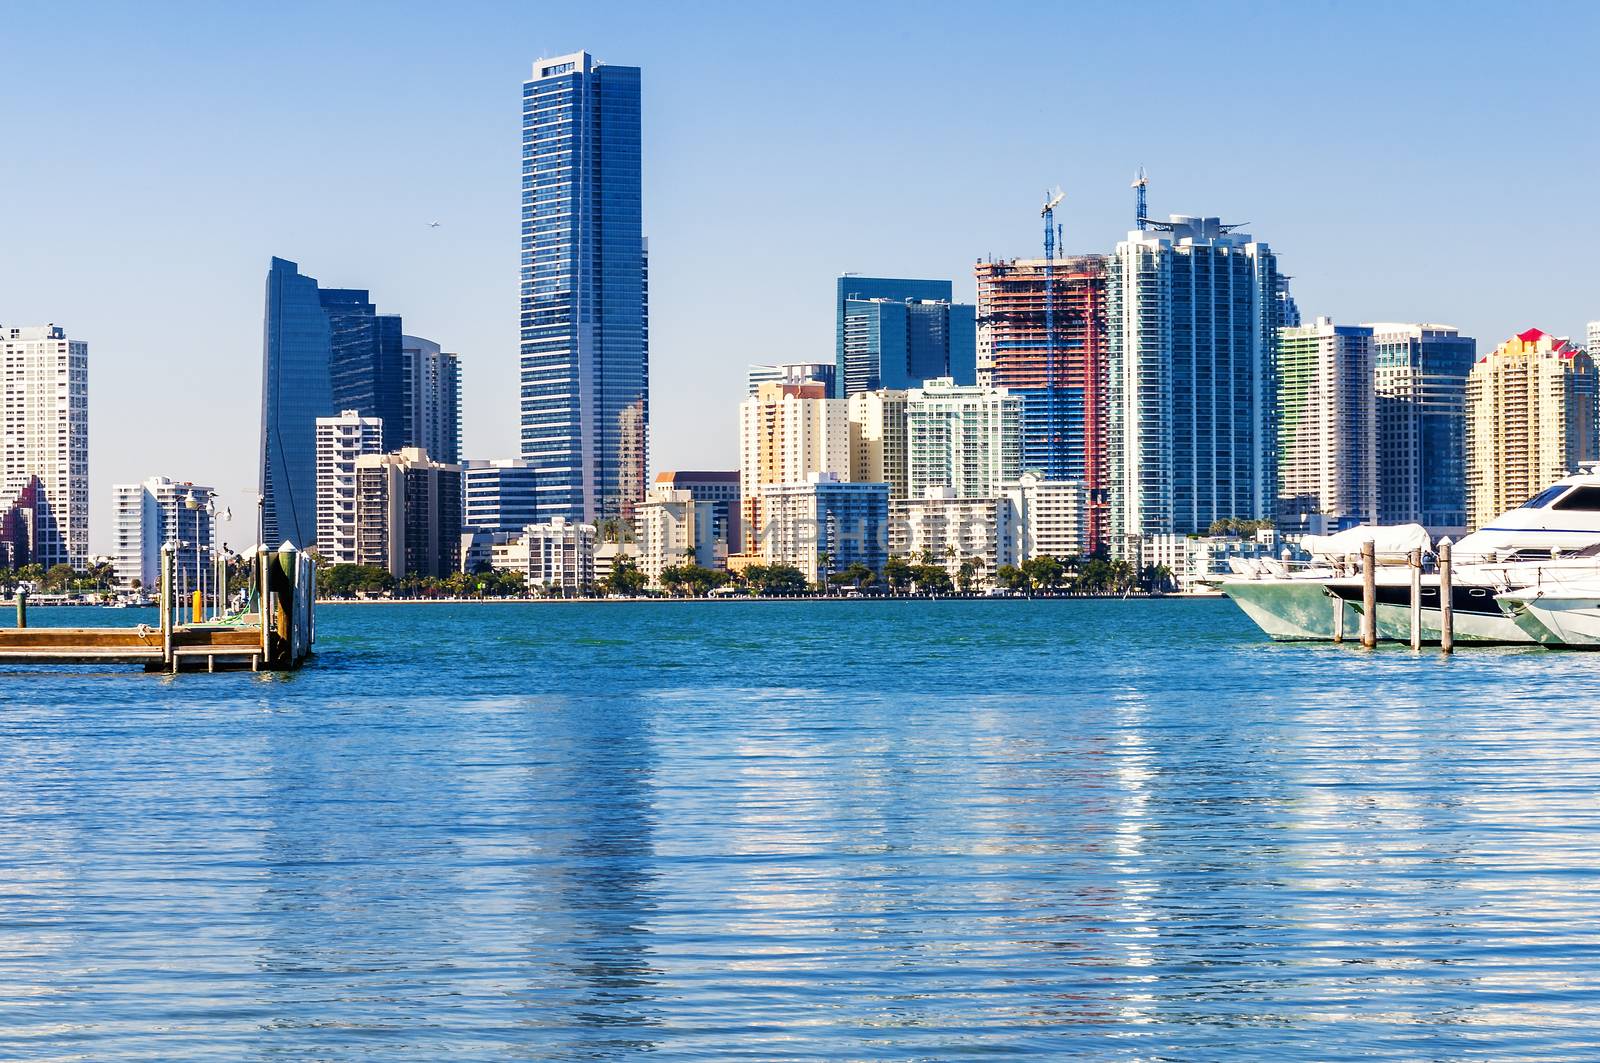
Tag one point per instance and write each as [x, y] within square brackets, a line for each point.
[1557, 621]
[1290, 610]
[1476, 615]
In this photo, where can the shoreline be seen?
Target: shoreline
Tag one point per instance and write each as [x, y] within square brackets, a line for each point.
[770, 598]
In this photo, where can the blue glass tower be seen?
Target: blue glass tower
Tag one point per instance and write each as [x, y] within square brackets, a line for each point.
[366, 363]
[325, 350]
[896, 333]
[295, 391]
[584, 333]
[1421, 383]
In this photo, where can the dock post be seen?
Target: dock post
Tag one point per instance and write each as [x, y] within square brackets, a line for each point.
[1369, 595]
[1414, 562]
[22, 608]
[166, 605]
[1447, 619]
[1338, 618]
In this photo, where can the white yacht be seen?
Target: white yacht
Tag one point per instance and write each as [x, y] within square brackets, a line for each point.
[1293, 603]
[1553, 536]
[1565, 613]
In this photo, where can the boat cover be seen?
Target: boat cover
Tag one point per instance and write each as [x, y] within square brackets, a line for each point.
[1396, 540]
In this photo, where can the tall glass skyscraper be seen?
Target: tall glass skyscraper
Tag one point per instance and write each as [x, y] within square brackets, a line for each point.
[295, 391]
[1421, 382]
[326, 350]
[584, 332]
[897, 333]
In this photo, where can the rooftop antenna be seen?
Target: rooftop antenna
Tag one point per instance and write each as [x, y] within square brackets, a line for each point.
[1140, 210]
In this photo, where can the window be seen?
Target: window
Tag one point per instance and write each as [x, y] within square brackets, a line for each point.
[1586, 499]
[1545, 497]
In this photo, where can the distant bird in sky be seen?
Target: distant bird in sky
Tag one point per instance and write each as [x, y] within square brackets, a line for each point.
[433, 225]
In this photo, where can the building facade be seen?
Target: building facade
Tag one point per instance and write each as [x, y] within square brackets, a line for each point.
[1059, 371]
[340, 441]
[147, 516]
[432, 388]
[947, 530]
[1530, 421]
[499, 495]
[787, 432]
[46, 400]
[896, 333]
[408, 513]
[1040, 517]
[556, 556]
[584, 329]
[366, 361]
[963, 437]
[674, 528]
[1420, 381]
[824, 525]
[878, 451]
[1192, 311]
[790, 373]
[1327, 428]
[720, 490]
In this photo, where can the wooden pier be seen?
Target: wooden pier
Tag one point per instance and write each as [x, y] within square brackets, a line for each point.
[275, 634]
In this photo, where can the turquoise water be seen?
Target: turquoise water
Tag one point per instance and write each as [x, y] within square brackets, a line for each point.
[851, 830]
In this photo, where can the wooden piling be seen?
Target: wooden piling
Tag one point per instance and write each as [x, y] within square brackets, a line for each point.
[1338, 618]
[1414, 562]
[22, 608]
[1369, 595]
[1447, 620]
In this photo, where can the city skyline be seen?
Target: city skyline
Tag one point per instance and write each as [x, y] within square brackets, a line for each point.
[1448, 207]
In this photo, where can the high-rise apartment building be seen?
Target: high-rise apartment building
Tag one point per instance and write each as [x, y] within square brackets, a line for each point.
[432, 390]
[1059, 371]
[1531, 405]
[786, 433]
[156, 513]
[556, 556]
[718, 489]
[408, 513]
[585, 361]
[896, 333]
[878, 440]
[1327, 428]
[46, 399]
[500, 495]
[340, 441]
[823, 525]
[1192, 312]
[1420, 380]
[325, 350]
[1592, 338]
[947, 530]
[963, 437]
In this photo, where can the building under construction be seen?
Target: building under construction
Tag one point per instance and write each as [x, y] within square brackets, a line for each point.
[1057, 368]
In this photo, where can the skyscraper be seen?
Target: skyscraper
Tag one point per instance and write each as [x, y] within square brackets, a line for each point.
[1192, 310]
[967, 439]
[1531, 406]
[896, 333]
[1327, 428]
[151, 514]
[366, 361]
[44, 389]
[432, 390]
[585, 354]
[1061, 385]
[340, 441]
[325, 350]
[787, 432]
[1420, 380]
[408, 513]
[500, 495]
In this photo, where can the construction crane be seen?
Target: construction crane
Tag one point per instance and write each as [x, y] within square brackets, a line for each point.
[1140, 183]
[1052, 235]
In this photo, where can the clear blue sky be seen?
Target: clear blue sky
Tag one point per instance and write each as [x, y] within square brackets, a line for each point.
[1407, 161]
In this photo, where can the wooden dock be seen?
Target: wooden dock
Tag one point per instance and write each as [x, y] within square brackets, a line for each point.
[284, 580]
